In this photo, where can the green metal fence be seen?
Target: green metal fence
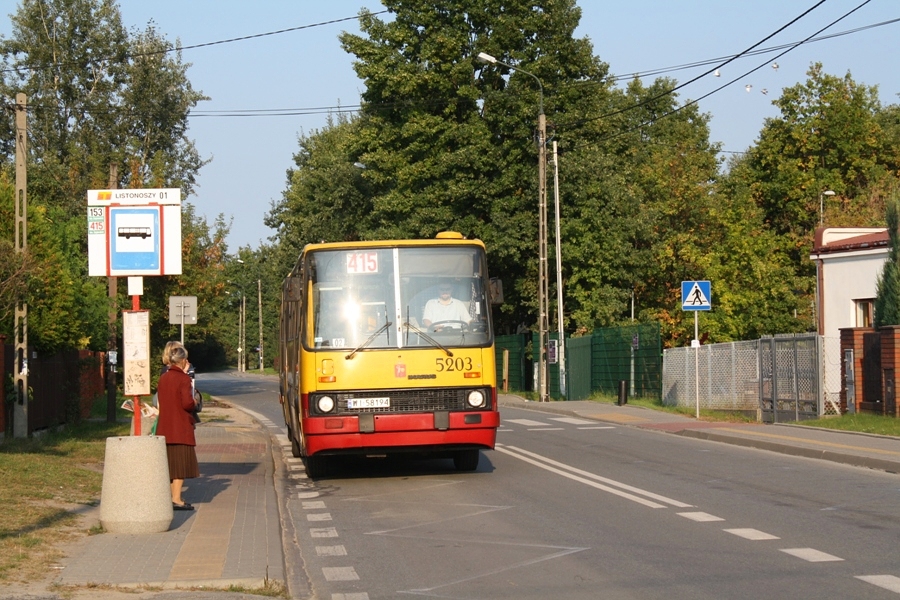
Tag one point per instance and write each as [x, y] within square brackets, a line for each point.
[594, 363]
[578, 367]
[519, 376]
[632, 353]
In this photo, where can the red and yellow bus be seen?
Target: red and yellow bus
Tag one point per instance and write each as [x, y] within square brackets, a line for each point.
[387, 347]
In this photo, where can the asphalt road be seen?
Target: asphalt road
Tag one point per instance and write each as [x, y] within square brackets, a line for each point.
[571, 508]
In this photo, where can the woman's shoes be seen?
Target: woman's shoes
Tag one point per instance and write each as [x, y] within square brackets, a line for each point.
[184, 506]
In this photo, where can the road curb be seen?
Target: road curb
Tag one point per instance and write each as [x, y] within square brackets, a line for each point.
[846, 459]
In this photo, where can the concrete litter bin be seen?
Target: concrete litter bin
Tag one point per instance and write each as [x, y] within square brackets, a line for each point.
[136, 497]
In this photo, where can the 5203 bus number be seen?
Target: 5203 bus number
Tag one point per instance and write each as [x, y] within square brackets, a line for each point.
[453, 364]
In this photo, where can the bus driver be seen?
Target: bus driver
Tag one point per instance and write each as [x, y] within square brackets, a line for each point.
[445, 310]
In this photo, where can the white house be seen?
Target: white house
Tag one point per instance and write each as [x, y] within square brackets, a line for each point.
[849, 261]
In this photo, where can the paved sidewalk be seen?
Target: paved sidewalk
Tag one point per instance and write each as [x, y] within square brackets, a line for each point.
[857, 449]
[232, 538]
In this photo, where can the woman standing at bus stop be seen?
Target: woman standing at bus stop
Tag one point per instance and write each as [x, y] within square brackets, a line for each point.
[176, 421]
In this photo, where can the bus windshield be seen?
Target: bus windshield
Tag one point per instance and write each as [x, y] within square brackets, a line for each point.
[398, 297]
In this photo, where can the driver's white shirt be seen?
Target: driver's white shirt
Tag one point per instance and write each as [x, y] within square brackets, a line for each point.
[436, 312]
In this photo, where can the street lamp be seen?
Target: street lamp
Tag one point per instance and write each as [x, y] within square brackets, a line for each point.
[822, 205]
[242, 311]
[543, 322]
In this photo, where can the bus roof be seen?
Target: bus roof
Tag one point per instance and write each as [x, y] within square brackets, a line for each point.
[442, 239]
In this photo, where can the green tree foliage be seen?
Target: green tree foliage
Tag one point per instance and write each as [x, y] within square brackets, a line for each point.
[88, 86]
[97, 97]
[65, 309]
[325, 197]
[887, 291]
[829, 136]
[204, 263]
[448, 143]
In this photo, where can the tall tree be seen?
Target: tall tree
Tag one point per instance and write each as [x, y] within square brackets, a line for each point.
[88, 86]
[449, 142]
[96, 97]
[828, 137]
[887, 291]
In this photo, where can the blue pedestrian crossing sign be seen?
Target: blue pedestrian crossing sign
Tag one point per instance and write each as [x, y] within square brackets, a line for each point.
[696, 295]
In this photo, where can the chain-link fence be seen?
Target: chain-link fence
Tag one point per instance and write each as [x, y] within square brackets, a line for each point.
[783, 378]
[728, 376]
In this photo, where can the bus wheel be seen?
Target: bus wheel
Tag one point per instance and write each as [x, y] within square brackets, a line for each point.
[295, 445]
[316, 466]
[466, 460]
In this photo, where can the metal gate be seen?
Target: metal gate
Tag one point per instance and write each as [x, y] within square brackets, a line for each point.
[789, 378]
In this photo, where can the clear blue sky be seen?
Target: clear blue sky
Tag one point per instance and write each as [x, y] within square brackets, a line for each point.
[307, 69]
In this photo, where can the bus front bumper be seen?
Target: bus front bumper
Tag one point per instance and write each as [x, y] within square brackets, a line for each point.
[437, 431]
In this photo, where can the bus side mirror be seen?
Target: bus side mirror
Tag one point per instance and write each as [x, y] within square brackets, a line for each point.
[292, 289]
[496, 291]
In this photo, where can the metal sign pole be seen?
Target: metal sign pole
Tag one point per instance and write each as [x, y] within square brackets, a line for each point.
[697, 364]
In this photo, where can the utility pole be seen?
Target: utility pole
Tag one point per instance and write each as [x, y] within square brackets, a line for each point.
[242, 351]
[20, 410]
[259, 296]
[111, 343]
[543, 290]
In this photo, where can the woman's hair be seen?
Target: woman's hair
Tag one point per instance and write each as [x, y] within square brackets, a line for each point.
[173, 353]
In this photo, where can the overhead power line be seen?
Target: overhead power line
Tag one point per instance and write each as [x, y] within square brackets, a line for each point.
[195, 46]
[300, 111]
[735, 80]
[710, 61]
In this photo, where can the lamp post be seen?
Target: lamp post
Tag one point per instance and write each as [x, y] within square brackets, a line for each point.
[259, 310]
[242, 309]
[559, 282]
[822, 205]
[543, 321]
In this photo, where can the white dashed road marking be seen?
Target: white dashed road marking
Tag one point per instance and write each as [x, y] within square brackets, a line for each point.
[700, 517]
[572, 421]
[318, 517]
[525, 422]
[340, 574]
[810, 554]
[331, 550]
[888, 582]
[324, 532]
[752, 534]
[315, 504]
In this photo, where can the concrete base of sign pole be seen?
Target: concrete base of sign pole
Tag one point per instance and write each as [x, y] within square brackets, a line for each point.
[136, 497]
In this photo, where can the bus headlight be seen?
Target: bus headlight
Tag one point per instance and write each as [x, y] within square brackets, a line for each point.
[475, 398]
[325, 404]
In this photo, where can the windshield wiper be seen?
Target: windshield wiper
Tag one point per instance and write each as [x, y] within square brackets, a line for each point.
[427, 337]
[369, 339]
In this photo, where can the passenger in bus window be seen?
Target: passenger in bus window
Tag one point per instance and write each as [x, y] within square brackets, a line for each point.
[445, 310]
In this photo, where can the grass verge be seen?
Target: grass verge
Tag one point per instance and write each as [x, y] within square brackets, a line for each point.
[860, 423]
[44, 478]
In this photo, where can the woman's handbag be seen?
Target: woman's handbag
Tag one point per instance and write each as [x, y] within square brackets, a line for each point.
[198, 402]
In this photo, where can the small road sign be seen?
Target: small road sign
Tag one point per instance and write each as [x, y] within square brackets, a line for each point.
[696, 295]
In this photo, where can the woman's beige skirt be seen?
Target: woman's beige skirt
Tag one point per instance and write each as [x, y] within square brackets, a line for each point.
[182, 461]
